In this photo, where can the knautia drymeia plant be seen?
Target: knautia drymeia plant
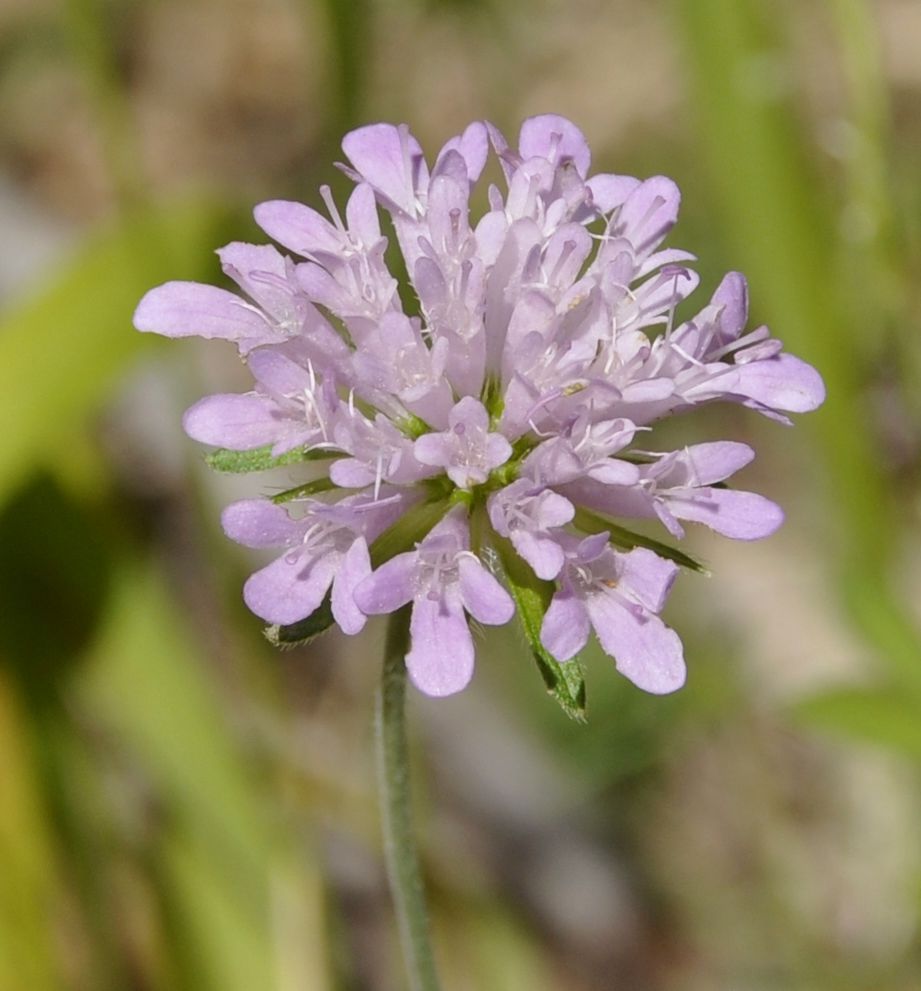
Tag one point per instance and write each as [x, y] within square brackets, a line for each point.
[476, 441]
[484, 434]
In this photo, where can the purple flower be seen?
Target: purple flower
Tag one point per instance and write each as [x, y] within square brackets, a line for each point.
[470, 427]
[683, 485]
[287, 409]
[467, 451]
[327, 546]
[442, 578]
[531, 516]
[618, 596]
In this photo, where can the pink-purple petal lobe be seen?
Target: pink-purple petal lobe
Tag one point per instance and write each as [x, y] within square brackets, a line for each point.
[390, 159]
[649, 213]
[354, 567]
[648, 576]
[564, 631]
[190, 309]
[472, 145]
[541, 551]
[237, 422]
[469, 413]
[483, 597]
[610, 191]
[350, 473]
[554, 138]
[433, 449]
[388, 588]
[717, 460]
[644, 649]
[298, 227]
[259, 523]
[441, 657]
[278, 373]
[612, 471]
[498, 451]
[555, 510]
[290, 588]
[734, 514]
[732, 295]
[784, 382]
[361, 215]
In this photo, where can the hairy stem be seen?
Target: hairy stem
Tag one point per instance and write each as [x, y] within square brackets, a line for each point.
[396, 815]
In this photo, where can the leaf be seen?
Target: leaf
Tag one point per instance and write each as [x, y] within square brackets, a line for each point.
[61, 350]
[27, 858]
[884, 716]
[564, 681]
[408, 530]
[413, 426]
[148, 689]
[626, 540]
[303, 631]
[262, 459]
[307, 489]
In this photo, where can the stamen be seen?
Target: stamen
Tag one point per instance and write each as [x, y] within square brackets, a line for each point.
[694, 361]
[331, 207]
[378, 478]
[656, 203]
[671, 310]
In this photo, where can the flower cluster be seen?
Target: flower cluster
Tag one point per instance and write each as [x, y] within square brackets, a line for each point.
[476, 431]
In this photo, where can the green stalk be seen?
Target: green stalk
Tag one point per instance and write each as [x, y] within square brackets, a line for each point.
[394, 790]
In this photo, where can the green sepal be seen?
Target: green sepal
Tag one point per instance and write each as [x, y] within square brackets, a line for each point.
[262, 459]
[627, 540]
[408, 530]
[493, 399]
[413, 426]
[304, 630]
[307, 489]
[564, 681]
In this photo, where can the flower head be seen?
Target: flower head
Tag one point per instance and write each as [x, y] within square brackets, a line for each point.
[479, 447]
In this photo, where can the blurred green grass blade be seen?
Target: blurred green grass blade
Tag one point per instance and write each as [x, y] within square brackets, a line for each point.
[876, 216]
[866, 157]
[147, 686]
[83, 823]
[784, 233]
[27, 954]
[222, 949]
[884, 716]
[348, 57]
[61, 350]
[493, 948]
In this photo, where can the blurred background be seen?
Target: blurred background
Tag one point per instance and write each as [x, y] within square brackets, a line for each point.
[181, 806]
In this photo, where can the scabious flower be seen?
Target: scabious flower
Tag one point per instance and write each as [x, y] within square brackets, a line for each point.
[484, 435]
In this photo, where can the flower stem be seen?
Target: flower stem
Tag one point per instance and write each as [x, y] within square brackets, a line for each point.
[396, 815]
